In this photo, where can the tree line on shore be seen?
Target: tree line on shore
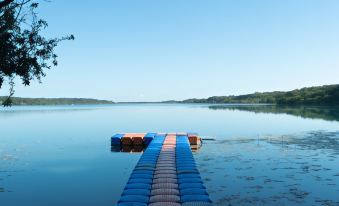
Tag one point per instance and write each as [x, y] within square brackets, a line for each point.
[321, 95]
[54, 101]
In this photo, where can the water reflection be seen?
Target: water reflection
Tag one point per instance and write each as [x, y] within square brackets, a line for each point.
[128, 148]
[196, 148]
[142, 148]
[311, 112]
[273, 170]
[25, 110]
[49, 150]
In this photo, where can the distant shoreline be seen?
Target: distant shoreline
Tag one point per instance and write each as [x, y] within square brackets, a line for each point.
[322, 95]
[184, 103]
[20, 101]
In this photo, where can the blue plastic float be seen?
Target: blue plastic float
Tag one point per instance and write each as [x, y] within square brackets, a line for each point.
[166, 174]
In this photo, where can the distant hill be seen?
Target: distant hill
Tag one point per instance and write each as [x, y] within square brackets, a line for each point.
[322, 95]
[54, 101]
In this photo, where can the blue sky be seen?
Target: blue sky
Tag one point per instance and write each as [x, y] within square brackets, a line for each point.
[159, 50]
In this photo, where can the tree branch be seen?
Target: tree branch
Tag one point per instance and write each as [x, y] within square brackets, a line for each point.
[5, 3]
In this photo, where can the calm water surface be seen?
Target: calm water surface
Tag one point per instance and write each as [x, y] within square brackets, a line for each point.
[262, 155]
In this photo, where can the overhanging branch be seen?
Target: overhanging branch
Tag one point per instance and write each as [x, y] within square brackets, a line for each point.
[5, 3]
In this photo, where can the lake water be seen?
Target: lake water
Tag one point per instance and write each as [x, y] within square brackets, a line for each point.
[262, 155]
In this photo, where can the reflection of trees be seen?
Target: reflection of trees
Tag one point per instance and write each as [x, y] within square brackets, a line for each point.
[312, 112]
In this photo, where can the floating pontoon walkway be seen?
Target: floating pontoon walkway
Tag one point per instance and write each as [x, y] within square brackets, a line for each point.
[166, 174]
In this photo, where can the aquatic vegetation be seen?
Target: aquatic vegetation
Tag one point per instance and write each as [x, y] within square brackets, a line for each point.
[282, 170]
[316, 140]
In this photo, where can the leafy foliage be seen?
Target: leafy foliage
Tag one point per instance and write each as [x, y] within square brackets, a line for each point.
[24, 53]
[328, 94]
[54, 101]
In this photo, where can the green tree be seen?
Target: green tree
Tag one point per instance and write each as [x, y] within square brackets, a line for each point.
[24, 52]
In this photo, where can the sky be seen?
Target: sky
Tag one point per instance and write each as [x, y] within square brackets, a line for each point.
[151, 50]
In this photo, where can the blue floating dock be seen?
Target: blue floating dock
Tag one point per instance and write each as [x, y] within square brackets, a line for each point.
[116, 139]
[149, 137]
[166, 174]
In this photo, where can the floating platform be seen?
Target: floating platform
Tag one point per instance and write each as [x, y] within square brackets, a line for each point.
[139, 139]
[142, 148]
[166, 174]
